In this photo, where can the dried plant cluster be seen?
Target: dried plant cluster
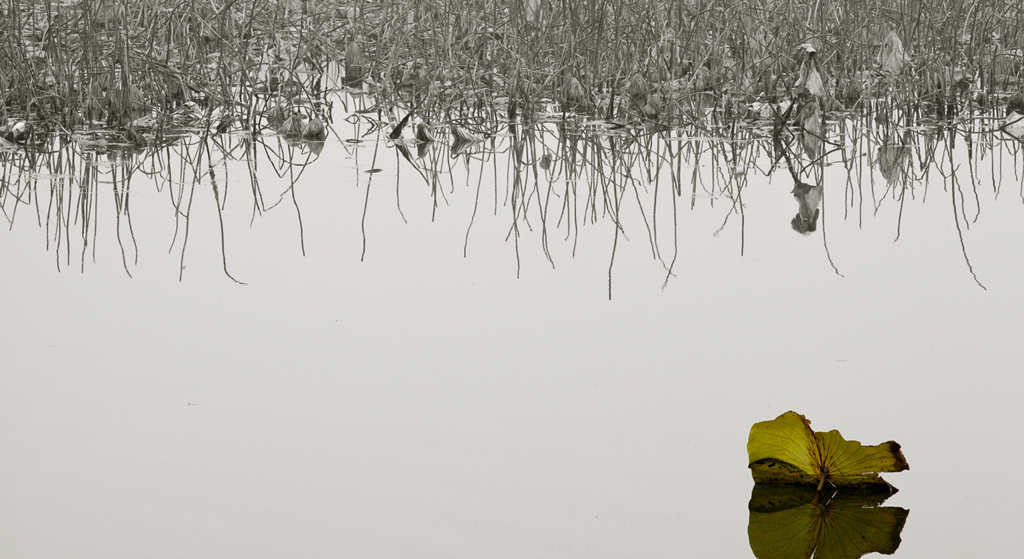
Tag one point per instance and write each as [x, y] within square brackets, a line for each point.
[117, 61]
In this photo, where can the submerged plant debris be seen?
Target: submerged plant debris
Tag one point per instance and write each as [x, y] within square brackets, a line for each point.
[785, 451]
[796, 523]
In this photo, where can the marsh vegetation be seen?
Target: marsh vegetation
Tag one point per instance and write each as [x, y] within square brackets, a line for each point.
[567, 113]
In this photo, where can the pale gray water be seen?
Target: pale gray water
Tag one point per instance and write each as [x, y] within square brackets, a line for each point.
[423, 404]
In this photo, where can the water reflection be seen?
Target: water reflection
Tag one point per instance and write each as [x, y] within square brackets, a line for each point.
[798, 523]
[61, 187]
[808, 199]
[551, 178]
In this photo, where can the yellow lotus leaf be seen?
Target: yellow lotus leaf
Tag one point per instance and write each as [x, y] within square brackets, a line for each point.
[788, 524]
[786, 451]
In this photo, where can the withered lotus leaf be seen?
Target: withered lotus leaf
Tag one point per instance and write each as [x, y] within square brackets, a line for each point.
[786, 451]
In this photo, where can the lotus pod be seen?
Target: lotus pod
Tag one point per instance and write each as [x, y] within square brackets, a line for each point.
[891, 57]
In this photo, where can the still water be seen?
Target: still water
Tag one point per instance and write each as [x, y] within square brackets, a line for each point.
[413, 368]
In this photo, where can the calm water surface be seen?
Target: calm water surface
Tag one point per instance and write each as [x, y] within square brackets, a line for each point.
[385, 395]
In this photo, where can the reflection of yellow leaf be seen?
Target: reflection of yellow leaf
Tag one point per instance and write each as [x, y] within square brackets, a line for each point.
[788, 525]
[789, 534]
[785, 450]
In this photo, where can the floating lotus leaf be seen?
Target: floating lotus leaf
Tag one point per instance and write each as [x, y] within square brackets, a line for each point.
[788, 523]
[786, 451]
